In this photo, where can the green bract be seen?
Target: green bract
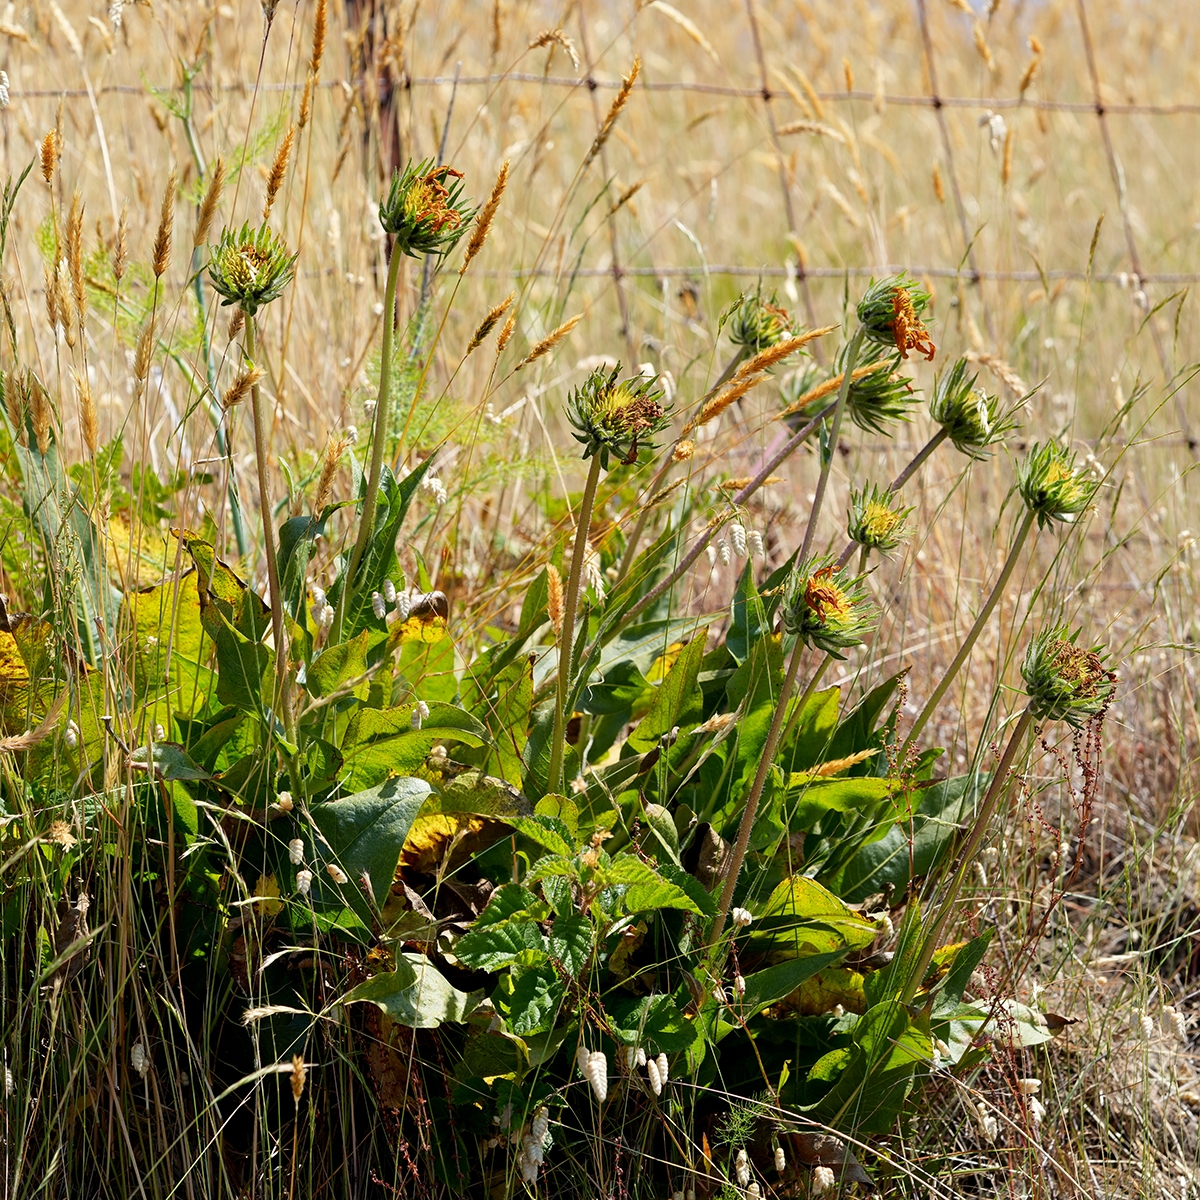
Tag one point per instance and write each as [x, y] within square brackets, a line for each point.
[971, 418]
[873, 522]
[879, 396]
[1065, 681]
[424, 209]
[250, 268]
[826, 608]
[1053, 488]
[759, 324]
[890, 314]
[614, 417]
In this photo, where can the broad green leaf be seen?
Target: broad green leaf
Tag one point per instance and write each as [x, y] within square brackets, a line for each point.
[917, 843]
[493, 1054]
[547, 832]
[870, 1090]
[365, 832]
[416, 994]
[677, 700]
[508, 901]
[772, 984]
[802, 915]
[810, 799]
[169, 761]
[501, 945]
[814, 730]
[645, 888]
[335, 667]
[242, 662]
[652, 1022]
[749, 621]
[379, 742]
[530, 999]
[571, 942]
[950, 989]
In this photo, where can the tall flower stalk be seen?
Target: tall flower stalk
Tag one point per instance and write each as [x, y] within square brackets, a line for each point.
[1054, 490]
[821, 609]
[1064, 682]
[426, 215]
[249, 269]
[609, 417]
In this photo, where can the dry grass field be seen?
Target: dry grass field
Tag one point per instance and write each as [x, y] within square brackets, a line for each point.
[1032, 165]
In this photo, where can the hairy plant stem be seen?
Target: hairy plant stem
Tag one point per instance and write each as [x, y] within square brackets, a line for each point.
[383, 405]
[972, 636]
[991, 802]
[566, 639]
[839, 408]
[760, 778]
[262, 442]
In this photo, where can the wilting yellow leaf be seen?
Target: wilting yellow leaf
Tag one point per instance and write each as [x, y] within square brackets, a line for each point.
[827, 989]
[267, 889]
[664, 662]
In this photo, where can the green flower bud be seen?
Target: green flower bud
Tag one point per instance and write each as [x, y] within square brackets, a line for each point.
[1064, 681]
[250, 269]
[614, 417]
[1053, 488]
[971, 418]
[873, 522]
[759, 324]
[890, 314]
[826, 608]
[424, 209]
[877, 397]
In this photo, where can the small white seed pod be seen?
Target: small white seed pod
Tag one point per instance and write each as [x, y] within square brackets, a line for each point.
[389, 591]
[723, 552]
[378, 605]
[664, 1071]
[780, 1160]
[296, 851]
[741, 917]
[304, 882]
[741, 1167]
[336, 873]
[823, 1180]
[654, 1077]
[737, 536]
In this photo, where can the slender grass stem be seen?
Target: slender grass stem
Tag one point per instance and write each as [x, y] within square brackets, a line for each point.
[969, 641]
[366, 525]
[987, 810]
[760, 778]
[566, 639]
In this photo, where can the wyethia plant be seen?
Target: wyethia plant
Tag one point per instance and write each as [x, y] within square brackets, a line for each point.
[1065, 681]
[874, 524]
[878, 397]
[826, 608]
[757, 323]
[249, 268]
[971, 418]
[1053, 488]
[890, 313]
[614, 417]
[424, 209]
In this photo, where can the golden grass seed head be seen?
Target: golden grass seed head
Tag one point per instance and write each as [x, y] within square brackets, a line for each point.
[826, 608]
[75, 257]
[88, 420]
[320, 28]
[143, 354]
[250, 268]
[875, 522]
[1065, 681]
[121, 252]
[208, 206]
[614, 111]
[737, 388]
[279, 169]
[490, 320]
[613, 416]
[1051, 485]
[298, 1077]
[487, 214]
[547, 343]
[335, 447]
[161, 256]
[40, 412]
[506, 333]
[424, 209]
[548, 37]
[16, 405]
[554, 602]
[241, 387]
[49, 155]
[50, 280]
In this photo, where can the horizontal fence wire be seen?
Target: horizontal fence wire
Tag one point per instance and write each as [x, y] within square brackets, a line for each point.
[981, 103]
[1121, 278]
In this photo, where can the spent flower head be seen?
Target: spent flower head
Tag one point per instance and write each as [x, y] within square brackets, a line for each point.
[250, 268]
[874, 523]
[424, 209]
[1066, 681]
[890, 313]
[757, 323]
[1051, 485]
[616, 416]
[971, 418]
[826, 607]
